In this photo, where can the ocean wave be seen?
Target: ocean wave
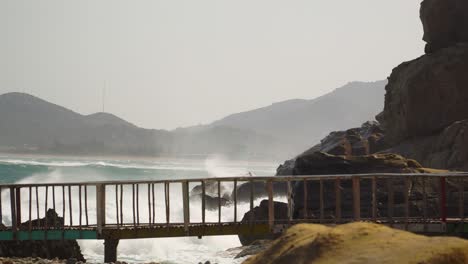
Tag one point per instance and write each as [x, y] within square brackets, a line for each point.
[169, 166]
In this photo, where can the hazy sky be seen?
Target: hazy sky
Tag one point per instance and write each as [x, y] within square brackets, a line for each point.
[178, 63]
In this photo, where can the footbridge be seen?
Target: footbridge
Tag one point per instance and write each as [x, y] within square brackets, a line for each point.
[432, 204]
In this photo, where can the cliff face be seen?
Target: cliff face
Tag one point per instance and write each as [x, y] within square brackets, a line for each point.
[445, 23]
[426, 113]
[426, 95]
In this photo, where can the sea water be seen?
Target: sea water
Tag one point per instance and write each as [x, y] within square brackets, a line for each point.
[21, 169]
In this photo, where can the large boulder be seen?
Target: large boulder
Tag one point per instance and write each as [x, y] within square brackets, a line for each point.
[364, 140]
[319, 163]
[260, 213]
[426, 95]
[445, 23]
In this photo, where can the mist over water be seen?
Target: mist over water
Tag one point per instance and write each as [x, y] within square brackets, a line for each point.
[166, 250]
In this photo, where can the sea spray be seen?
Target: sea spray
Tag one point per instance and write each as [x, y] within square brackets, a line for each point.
[171, 250]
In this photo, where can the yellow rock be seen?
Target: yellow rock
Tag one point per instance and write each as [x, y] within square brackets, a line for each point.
[360, 243]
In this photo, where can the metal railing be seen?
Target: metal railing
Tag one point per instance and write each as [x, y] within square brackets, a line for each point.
[328, 199]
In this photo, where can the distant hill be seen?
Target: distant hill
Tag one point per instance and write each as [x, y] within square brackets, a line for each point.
[302, 123]
[31, 125]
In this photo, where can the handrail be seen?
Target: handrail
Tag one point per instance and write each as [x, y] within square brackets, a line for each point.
[243, 178]
[319, 198]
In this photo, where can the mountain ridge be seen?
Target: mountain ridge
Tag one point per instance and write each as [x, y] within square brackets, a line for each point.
[31, 124]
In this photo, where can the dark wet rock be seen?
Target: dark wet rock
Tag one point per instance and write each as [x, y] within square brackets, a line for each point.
[212, 203]
[43, 249]
[286, 169]
[211, 188]
[445, 23]
[260, 214]
[259, 190]
[364, 140]
[320, 163]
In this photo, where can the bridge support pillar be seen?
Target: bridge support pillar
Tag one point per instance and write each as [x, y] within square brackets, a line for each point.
[110, 250]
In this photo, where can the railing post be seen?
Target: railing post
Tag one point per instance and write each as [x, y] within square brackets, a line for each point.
[356, 198]
[203, 201]
[100, 207]
[18, 206]
[461, 200]
[443, 200]
[321, 201]
[290, 203]
[185, 194]
[337, 200]
[271, 205]
[14, 224]
[235, 200]
[374, 198]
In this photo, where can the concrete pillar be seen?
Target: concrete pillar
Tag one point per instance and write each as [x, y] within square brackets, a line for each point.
[110, 250]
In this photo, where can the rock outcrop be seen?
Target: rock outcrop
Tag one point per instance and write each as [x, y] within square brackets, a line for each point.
[445, 23]
[425, 114]
[260, 213]
[364, 140]
[50, 249]
[445, 150]
[426, 95]
[319, 163]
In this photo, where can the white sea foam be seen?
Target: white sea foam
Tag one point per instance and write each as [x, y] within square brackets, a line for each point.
[170, 250]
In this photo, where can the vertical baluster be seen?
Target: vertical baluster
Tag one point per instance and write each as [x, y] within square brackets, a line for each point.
[203, 201]
[14, 223]
[121, 205]
[251, 202]
[117, 204]
[133, 205]
[86, 203]
[391, 199]
[321, 201]
[219, 202]
[1, 209]
[154, 205]
[18, 206]
[186, 205]
[235, 201]
[30, 208]
[461, 200]
[149, 203]
[79, 206]
[37, 207]
[443, 200]
[290, 205]
[374, 198]
[63, 204]
[138, 203]
[271, 205]
[406, 197]
[167, 201]
[338, 200]
[53, 198]
[306, 206]
[70, 204]
[45, 206]
[356, 198]
[424, 203]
